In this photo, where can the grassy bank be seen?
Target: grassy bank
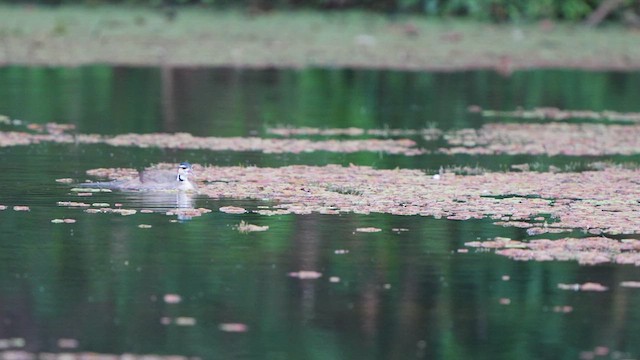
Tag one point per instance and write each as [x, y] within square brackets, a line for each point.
[202, 37]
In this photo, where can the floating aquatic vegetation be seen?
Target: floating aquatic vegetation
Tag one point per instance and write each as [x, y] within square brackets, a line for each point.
[233, 327]
[600, 352]
[556, 138]
[188, 212]
[245, 227]
[504, 301]
[188, 141]
[306, 131]
[555, 114]
[72, 204]
[185, 321]
[89, 190]
[630, 284]
[589, 286]
[51, 127]
[428, 133]
[587, 251]
[545, 139]
[63, 221]
[14, 352]
[123, 212]
[368, 229]
[14, 138]
[172, 298]
[539, 230]
[269, 146]
[11, 343]
[272, 212]
[593, 201]
[232, 210]
[306, 274]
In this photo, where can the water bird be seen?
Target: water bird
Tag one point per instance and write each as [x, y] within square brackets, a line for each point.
[153, 180]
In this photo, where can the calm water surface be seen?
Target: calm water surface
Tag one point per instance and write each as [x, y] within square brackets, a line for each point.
[98, 285]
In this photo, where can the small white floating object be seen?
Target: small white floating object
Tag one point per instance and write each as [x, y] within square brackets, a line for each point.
[304, 274]
[172, 298]
[233, 327]
[185, 321]
[368, 229]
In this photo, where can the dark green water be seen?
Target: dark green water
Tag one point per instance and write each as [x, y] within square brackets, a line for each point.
[400, 295]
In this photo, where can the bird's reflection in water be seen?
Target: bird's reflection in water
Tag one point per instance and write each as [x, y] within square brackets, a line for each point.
[169, 202]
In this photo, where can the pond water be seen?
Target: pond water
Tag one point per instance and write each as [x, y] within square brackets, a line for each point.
[199, 288]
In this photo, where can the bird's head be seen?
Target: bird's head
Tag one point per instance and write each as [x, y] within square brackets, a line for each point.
[184, 170]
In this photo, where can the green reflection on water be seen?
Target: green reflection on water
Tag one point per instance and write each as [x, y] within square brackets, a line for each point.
[234, 102]
[400, 295]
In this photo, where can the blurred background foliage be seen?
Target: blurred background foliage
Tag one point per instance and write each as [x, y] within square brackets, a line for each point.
[487, 10]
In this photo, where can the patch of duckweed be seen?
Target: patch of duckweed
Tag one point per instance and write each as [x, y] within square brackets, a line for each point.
[428, 133]
[188, 212]
[123, 212]
[545, 139]
[588, 286]
[51, 128]
[232, 210]
[268, 146]
[89, 190]
[630, 284]
[233, 327]
[586, 251]
[555, 114]
[306, 274]
[368, 229]
[73, 204]
[553, 138]
[592, 201]
[188, 141]
[67, 347]
[268, 212]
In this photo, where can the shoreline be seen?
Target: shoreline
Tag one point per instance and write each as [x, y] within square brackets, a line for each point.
[201, 37]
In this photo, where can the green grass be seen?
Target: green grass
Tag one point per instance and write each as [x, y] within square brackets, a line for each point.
[76, 35]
